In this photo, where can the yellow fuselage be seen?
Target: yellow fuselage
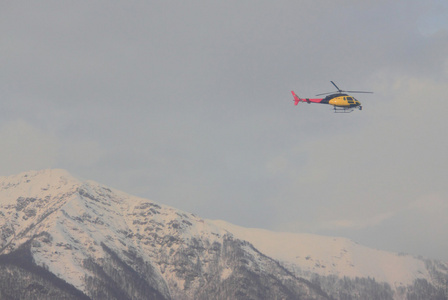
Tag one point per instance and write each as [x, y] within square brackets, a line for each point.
[344, 101]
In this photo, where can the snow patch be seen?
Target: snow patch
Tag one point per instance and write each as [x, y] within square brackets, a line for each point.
[226, 273]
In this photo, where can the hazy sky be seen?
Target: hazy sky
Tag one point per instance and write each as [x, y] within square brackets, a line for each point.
[188, 103]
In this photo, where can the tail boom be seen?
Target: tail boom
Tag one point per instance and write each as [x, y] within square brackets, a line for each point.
[307, 100]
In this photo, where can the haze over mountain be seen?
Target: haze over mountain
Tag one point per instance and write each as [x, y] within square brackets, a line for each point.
[61, 237]
[188, 103]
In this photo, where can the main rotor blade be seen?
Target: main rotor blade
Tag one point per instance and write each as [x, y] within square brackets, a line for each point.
[358, 92]
[336, 87]
[326, 93]
[342, 91]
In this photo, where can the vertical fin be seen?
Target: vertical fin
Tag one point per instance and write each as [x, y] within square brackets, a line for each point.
[296, 98]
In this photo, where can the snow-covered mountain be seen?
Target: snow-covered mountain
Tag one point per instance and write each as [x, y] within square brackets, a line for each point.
[63, 238]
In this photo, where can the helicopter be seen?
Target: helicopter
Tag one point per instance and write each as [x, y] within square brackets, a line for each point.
[342, 103]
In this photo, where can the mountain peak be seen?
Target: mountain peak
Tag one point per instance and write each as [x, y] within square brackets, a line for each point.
[36, 184]
[47, 177]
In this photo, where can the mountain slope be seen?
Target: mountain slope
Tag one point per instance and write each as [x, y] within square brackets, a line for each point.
[61, 237]
[108, 244]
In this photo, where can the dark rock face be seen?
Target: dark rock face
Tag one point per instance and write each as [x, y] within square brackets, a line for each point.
[21, 278]
[233, 269]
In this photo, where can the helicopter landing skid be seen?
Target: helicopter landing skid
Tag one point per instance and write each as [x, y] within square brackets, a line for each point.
[342, 110]
[345, 109]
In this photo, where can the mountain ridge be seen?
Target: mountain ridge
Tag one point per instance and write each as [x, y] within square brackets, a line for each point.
[308, 252]
[109, 244]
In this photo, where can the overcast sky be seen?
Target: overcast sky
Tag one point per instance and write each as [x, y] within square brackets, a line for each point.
[188, 103]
